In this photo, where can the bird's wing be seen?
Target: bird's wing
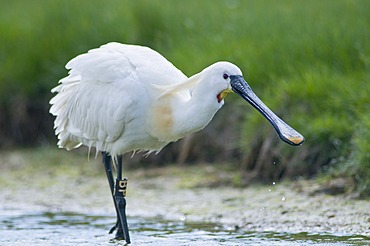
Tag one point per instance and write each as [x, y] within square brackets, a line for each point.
[160, 76]
[93, 114]
[122, 60]
[105, 90]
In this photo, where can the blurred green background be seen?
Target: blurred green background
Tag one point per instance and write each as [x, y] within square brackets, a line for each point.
[309, 61]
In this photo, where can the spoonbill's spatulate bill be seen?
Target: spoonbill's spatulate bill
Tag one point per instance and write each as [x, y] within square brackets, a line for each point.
[120, 98]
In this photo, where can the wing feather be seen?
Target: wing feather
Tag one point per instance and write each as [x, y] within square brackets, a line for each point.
[107, 89]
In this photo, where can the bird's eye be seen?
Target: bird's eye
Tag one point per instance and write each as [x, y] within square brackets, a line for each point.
[225, 76]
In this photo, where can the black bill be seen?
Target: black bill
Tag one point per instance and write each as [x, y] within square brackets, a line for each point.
[285, 132]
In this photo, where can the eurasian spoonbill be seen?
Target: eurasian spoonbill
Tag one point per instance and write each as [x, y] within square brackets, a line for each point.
[120, 98]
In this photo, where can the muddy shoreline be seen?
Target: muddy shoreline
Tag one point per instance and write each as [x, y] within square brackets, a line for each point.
[27, 183]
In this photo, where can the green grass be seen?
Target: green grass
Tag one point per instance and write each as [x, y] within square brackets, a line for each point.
[308, 60]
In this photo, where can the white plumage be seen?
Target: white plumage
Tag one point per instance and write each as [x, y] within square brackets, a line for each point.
[120, 98]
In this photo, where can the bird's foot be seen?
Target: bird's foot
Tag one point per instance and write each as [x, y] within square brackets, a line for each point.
[113, 229]
[119, 233]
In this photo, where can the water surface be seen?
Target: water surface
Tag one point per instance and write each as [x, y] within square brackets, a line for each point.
[19, 227]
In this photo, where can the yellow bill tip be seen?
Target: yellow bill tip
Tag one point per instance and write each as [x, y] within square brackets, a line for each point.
[296, 140]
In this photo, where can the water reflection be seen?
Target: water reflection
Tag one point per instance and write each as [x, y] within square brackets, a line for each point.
[67, 228]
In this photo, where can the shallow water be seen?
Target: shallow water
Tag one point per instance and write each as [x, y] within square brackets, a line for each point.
[19, 227]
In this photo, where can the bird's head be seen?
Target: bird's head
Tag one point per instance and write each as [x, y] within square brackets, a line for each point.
[226, 78]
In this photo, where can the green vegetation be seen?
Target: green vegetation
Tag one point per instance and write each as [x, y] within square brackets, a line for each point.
[308, 60]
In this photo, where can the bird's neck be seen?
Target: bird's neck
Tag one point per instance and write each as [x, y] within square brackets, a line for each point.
[198, 111]
[177, 114]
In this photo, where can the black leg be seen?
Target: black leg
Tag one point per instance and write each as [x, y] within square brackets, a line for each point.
[118, 191]
[119, 196]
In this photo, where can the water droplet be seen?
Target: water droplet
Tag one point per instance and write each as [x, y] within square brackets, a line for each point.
[283, 198]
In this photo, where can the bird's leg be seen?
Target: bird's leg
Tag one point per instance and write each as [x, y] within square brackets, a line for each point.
[107, 161]
[120, 200]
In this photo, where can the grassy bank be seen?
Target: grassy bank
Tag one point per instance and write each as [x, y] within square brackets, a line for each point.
[308, 60]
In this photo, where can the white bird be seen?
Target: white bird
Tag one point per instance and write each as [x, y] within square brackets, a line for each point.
[120, 98]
